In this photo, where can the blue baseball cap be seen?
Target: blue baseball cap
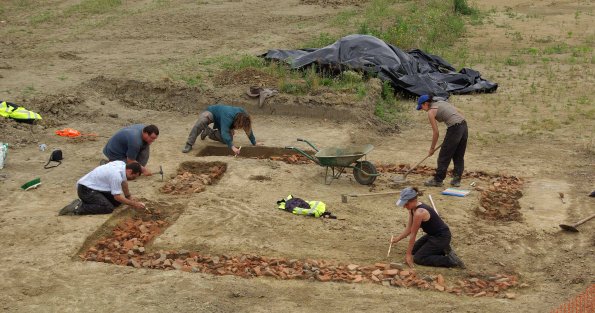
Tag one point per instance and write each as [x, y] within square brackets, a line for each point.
[406, 195]
[421, 100]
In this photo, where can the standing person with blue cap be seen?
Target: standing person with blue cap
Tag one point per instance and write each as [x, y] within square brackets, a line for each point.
[433, 248]
[455, 141]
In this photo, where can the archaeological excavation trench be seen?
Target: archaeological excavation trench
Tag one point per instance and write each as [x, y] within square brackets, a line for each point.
[126, 239]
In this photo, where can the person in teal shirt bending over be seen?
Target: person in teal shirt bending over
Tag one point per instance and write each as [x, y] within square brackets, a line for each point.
[225, 119]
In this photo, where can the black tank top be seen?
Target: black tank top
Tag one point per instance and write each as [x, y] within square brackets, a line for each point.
[435, 226]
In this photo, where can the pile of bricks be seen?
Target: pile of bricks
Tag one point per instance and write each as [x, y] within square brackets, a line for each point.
[126, 246]
[187, 182]
[292, 159]
[500, 201]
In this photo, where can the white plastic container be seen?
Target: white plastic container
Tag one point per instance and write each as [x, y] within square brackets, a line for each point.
[3, 154]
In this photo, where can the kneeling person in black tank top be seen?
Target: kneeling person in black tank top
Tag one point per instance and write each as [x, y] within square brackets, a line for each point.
[433, 248]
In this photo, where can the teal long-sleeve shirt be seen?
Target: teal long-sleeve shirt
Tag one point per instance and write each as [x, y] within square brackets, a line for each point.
[223, 116]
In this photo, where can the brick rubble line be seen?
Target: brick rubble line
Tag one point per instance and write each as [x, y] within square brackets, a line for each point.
[126, 246]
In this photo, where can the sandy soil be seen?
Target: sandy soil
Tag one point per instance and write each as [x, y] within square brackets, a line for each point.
[77, 71]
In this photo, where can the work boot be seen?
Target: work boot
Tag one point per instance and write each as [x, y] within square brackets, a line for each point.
[433, 183]
[455, 260]
[72, 208]
[187, 148]
[456, 181]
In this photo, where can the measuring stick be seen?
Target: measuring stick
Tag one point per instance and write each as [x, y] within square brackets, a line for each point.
[389, 246]
[433, 205]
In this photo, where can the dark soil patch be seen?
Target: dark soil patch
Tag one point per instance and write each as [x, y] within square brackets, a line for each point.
[272, 153]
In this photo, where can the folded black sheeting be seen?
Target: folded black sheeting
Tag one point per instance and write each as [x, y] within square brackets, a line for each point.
[414, 72]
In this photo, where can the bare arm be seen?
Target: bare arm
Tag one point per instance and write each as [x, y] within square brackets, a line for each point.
[405, 232]
[135, 204]
[435, 133]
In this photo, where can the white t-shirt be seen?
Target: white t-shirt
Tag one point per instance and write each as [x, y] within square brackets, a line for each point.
[108, 177]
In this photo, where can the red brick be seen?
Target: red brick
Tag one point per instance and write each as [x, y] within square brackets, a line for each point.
[479, 294]
[390, 272]
[377, 272]
[374, 278]
[440, 280]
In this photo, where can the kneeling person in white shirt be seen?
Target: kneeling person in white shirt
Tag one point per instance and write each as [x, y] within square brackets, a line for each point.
[105, 188]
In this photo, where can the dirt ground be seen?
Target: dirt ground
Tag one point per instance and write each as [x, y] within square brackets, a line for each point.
[101, 72]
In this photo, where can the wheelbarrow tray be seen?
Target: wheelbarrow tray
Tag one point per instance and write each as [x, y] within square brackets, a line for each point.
[342, 157]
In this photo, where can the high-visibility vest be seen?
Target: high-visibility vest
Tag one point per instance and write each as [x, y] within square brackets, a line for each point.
[317, 208]
[11, 110]
[6, 108]
[23, 114]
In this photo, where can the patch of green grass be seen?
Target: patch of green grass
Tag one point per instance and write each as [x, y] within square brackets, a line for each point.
[345, 18]
[462, 7]
[41, 17]
[93, 7]
[535, 126]
[513, 61]
[322, 40]
[514, 36]
[428, 25]
[388, 108]
[244, 61]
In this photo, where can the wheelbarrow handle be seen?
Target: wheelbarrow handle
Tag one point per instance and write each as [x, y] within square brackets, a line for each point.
[310, 144]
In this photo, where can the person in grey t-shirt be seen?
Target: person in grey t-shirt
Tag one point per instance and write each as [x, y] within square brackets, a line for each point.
[455, 141]
[131, 144]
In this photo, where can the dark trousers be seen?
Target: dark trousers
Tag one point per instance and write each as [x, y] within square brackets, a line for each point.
[202, 124]
[95, 202]
[431, 250]
[453, 148]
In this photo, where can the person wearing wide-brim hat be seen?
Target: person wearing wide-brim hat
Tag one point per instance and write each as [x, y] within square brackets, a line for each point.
[455, 141]
[433, 248]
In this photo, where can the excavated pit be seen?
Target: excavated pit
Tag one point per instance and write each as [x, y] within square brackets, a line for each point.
[271, 153]
[193, 177]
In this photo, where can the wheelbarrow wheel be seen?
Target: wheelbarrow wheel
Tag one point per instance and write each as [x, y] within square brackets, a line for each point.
[362, 177]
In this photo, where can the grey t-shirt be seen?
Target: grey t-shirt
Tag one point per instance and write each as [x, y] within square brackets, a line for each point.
[125, 143]
[447, 113]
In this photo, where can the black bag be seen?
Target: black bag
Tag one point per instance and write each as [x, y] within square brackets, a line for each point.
[56, 156]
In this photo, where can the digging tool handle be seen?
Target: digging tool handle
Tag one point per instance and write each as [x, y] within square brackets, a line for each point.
[420, 162]
[374, 194]
[390, 246]
[583, 221]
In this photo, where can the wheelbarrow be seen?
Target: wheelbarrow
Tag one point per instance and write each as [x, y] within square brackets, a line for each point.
[338, 159]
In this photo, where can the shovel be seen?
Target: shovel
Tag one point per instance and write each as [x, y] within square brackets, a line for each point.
[573, 226]
[403, 179]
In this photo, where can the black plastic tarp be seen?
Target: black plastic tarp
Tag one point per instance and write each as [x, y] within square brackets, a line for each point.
[414, 72]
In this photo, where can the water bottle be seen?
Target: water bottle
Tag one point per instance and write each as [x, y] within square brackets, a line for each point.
[42, 147]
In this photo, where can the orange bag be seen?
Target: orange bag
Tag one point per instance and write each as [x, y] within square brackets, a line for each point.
[68, 132]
